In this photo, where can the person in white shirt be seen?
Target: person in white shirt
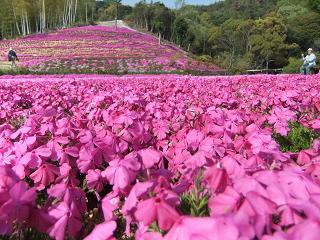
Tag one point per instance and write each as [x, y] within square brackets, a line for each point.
[309, 62]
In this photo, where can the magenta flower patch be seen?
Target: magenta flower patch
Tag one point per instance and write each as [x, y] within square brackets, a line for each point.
[161, 157]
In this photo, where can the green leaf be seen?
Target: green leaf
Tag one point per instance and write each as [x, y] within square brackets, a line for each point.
[299, 138]
[195, 202]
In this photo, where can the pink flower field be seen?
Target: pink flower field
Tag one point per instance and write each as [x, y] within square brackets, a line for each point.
[145, 157]
[101, 48]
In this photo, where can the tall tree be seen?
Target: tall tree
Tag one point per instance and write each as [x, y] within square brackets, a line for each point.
[269, 42]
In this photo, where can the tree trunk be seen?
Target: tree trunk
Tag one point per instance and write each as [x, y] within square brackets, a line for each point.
[70, 13]
[75, 11]
[15, 18]
[27, 24]
[23, 27]
[43, 17]
[86, 12]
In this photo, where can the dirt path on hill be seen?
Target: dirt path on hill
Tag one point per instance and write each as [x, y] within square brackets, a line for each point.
[121, 24]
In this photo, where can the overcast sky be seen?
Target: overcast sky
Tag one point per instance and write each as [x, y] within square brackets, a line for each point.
[170, 3]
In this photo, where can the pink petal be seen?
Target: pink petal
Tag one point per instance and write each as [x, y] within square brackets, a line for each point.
[150, 157]
[103, 231]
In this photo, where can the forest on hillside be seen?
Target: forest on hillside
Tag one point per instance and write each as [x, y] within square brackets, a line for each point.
[23, 17]
[235, 34]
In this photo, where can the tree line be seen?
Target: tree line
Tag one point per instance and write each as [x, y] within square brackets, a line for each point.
[235, 34]
[23, 17]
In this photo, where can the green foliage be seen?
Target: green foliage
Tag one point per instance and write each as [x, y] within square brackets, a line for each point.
[204, 58]
[14, 71]
[231, 36]
[234, 64]
[17, 122]
[155, 228]
[292, 11]
[180, 28]
[28, 233]
[121, 228]
[314, 4]
[195, 202]
[269, 42]
[112, 9]
[293, 66]
[299, 138]
[154, 17]
[304, 30]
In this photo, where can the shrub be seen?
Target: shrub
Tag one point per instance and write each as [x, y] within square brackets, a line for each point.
[293, 66]
[204, 58]
[299, 138]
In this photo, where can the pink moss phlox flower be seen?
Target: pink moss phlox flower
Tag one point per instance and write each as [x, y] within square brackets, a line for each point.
[297, 184]
[7, 179]
[207, 228]
[72, 196]
[89, 158]
[233, 165]
[316, 145]
[139, 190]
[95, 179]
[217, 178]
[161, 130]
[103, 231]
[193, 112]
[67, 175]
[212, 148]
[67, 154]
[128, 147]
[44, 175]
[261, 142]
[55, 144]
[18, 207]
[289, 97]
[150, 157]
[21, 131]
[314, 170]
[34, 158]
[122, 172]
[67, 221]
[306, 230]
[225, 202]
[194, 139]
[315, 124]
[306, 156]
[109, 204]
[148, 236]
[156, 209]
[280, 118]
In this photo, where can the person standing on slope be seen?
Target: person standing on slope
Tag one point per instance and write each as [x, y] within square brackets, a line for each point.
[12, 57]
[309, 62]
